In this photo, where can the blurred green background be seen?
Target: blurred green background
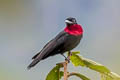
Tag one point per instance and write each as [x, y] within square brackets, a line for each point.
[27, 25]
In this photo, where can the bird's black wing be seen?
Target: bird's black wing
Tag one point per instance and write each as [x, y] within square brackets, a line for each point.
[41, 50]
[49, 47]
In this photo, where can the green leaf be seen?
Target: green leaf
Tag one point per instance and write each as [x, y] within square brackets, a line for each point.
[76, 60]
[79, 75]
[80, 61]
[55, 73]
[105, 77]
[76, 52]
[61, 74]
[95, 66]
[110, 76]
[115, 76]
[73, 53]
[106, 74]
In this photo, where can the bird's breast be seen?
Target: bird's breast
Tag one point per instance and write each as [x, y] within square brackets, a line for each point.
[71, 42]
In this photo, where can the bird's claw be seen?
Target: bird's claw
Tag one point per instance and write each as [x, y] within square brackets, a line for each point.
[66, 59]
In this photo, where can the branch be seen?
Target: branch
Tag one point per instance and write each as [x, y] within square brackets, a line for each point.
[65, 64]
[78, 75]
[65, 70]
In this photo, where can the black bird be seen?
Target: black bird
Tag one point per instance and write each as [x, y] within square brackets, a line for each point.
[65, 41]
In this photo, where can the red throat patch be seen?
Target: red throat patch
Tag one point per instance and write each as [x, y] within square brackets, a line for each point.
[75, 29]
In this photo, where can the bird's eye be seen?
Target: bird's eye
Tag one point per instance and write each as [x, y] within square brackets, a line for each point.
[74, 20]
[70, 20]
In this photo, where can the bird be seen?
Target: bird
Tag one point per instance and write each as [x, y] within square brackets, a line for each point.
[65, 41]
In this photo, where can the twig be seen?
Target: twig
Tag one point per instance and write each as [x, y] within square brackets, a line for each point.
[64, 65]
[65, 69]
[72, 73]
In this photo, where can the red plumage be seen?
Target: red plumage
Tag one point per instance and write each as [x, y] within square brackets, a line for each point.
[75, 29]
[66, 40]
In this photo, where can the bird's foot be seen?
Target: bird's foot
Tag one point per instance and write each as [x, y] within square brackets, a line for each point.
[67, 59]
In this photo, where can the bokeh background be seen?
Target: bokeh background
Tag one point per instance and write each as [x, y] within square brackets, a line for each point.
[27, 25]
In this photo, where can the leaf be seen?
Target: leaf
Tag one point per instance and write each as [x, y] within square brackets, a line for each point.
[76, 60]
[115, 76]
[61, 74]
[95, 66]
[79, 75]
[73, 53]
[104, 77]
[76, 52]
[55, 73]
[110, 76]
[80, 61]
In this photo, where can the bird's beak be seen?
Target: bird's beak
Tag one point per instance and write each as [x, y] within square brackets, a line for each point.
[69, 22]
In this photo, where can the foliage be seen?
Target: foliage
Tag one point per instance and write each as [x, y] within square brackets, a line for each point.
[55, 73]
[77, 60]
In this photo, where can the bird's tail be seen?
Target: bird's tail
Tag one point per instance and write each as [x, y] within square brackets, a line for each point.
[34, 62]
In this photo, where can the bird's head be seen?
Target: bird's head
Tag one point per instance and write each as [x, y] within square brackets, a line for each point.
[72, 27]
[70, 21]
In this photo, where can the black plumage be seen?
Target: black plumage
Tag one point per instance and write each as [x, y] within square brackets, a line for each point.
[61, 43]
